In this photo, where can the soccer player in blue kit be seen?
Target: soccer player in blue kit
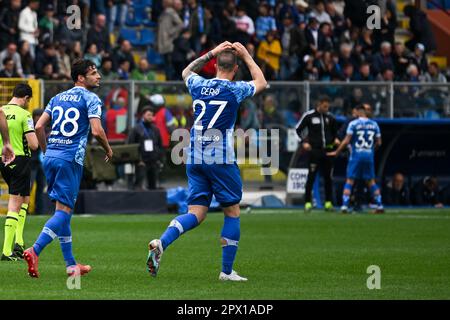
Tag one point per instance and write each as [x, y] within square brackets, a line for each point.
[364, 136]
[71, 113]
[216, 104]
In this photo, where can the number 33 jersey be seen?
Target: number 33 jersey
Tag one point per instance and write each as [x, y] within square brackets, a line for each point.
[364, 133]
[215, 103]
[70, 112]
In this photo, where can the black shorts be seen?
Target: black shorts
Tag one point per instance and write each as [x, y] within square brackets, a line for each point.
[17, 176]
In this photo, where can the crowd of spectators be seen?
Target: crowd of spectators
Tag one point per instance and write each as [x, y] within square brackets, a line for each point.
[314, 40]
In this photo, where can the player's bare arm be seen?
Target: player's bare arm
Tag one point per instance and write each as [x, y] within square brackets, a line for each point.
[8, 155]
[341, 147]
[42, 123]
[196, 65]
[100, 136]
[255, 70]
[32, 141]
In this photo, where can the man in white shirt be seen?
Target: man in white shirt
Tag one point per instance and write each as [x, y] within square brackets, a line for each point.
[244, 22]
[320, 14]
[28, 25]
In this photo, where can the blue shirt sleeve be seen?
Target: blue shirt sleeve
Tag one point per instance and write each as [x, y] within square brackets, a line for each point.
[49, 106]
[243, 89]
[94, 105]
[193, 82]
[350, 128]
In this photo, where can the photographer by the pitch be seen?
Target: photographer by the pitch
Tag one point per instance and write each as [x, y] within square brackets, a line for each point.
[317, 130]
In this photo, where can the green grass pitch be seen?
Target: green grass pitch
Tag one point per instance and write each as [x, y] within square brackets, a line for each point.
[285, 254]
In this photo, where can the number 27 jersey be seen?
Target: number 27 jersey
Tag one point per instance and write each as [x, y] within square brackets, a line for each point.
[70, 112]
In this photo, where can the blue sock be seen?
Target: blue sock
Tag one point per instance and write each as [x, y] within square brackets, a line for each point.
[65, 240]
[377, 197]
[346, 198]
[177, 227]
[231, 234]
[50, 231]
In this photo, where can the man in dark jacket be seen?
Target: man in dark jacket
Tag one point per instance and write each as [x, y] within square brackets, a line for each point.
[317, 130]
[396, 192]
[147, 135]
[9, 19]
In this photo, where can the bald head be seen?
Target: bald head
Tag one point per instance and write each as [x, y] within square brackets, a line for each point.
[226, 61]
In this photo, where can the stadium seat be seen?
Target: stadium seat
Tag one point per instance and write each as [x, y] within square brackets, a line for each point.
[130, 35]
[154, 57]
[147, 37]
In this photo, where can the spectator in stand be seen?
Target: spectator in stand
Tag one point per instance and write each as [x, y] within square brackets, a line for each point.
[64, 64]
[209, 69]
[320, 14]
[383, 59]
[312, 36]
[46, 56]
[93, 55]
[11, 52]
[143, 73]
[123, 52]
[401, 60]
[426, 193]
[420, 28]
[396, 193]
[388, 25]
[364, 73]
[9, 20]
[289, 59]
[99, 35]
[118, 10]
[195, 20]
[147, 135]
[106, 70]
[75, 51]
[298, 48]
[434, 74]
[326, 67]
[9, 69]
[346, 56]
[124, 70]
[243, 73]
[118, 108]
[338, 20]
[412, 74]
[353, 101]
[163, 119]
[48, 73]
[26, 60]
[169, 28]
[418, 58]
[269, 53]
[366, 43]
[348, 72]
[386, 75]
[325, 40]
[28, 25]
[309, 70]
[48, 24]
[265, 22]
[244, 25]
[182, 53]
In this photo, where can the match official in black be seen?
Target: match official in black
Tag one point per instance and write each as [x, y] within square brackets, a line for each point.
[317, 130]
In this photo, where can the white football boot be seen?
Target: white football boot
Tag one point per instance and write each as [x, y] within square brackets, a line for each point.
[233, 276]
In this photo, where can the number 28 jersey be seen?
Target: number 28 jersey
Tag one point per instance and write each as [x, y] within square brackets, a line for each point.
[215, 103]
[70, 112]
[364, 133]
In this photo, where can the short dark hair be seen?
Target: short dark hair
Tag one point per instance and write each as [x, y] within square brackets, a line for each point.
[80, 67]
[324, 98]
[6, 60]
[362, 107]
[147, 108]
[226, 60]
[22, 90]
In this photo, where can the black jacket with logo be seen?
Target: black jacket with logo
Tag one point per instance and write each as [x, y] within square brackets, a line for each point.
[139, 135]
[318, 129]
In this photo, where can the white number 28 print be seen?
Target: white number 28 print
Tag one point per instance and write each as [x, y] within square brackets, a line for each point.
[219, 103]
[70, 116]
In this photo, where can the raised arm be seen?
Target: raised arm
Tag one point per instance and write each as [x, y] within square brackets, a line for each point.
[255, 71]
[197, 65]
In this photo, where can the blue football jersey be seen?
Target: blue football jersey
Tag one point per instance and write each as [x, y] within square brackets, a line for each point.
[364, 133]
[70, 112]
[215, 103]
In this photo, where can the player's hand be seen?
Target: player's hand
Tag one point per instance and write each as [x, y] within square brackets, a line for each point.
[8, 155]
[221, 47]
[306, 146]
[240, 50]
[109, 155]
